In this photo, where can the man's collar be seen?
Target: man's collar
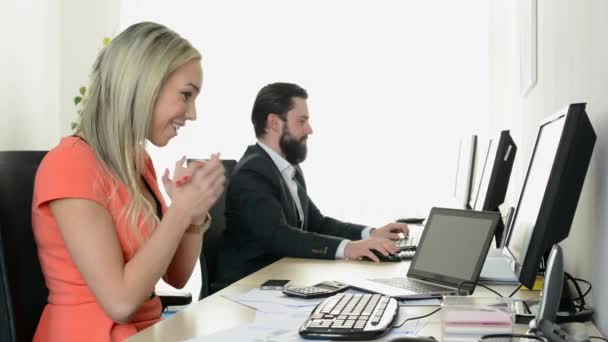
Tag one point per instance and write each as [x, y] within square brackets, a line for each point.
[279, 161]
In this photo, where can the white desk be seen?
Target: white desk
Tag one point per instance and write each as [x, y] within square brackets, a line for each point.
[216, 313]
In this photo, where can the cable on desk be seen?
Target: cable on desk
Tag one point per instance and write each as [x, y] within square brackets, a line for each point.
[586, 292]
[415, 318]
[581, 295]
[470, 282]
[597, 338]
[515, 291]
[581, 305]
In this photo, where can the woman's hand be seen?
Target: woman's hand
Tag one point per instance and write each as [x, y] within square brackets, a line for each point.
[194, 189]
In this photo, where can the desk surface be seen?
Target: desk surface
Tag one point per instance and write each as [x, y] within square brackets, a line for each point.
[216, 313]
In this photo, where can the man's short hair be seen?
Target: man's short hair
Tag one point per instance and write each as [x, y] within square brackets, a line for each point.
[274, 98]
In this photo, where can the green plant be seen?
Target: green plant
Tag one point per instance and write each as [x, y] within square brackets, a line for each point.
[78, 100]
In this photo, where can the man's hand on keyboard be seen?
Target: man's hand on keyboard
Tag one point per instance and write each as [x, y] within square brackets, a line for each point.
[390, 231]
[363, 248]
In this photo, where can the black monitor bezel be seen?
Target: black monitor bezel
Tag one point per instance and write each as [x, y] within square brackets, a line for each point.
[465, 181]
[501, 171]
[562, 193]
[499, 177]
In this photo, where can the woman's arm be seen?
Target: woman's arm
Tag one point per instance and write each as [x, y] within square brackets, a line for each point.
[181, 267]
[189, 250]
[90, 237]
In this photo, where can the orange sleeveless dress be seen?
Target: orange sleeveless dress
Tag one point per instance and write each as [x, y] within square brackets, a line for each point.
[71, 170]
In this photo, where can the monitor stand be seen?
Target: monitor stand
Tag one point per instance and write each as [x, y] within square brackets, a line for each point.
[526, 310]
[546, 324]
[556, 295]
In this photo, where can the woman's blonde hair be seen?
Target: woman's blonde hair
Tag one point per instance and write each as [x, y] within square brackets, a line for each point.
[117, 111]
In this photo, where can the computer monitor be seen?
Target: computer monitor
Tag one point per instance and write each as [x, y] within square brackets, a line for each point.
[494, 178]
[465, 171]
[551, 189]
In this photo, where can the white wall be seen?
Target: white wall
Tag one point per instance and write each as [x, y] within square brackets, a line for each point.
[572, 55]
[83, 26]
[48, 47]
[391, 83]
[29, 60]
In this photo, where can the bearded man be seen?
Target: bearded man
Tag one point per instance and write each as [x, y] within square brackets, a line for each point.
[269, 214]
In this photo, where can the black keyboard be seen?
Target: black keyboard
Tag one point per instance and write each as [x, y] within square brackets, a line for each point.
[397, 257]
[348, 316]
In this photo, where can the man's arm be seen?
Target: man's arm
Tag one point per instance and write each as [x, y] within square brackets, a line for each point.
[330, 226]
[353, 249]
[260, 214]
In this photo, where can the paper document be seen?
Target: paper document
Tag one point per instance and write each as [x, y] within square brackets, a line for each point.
[276, 297]
[252, 333]
[274, 301]
[283, 326]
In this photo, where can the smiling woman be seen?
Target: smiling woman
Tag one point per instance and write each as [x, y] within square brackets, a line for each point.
[104, 234]
[175, 102]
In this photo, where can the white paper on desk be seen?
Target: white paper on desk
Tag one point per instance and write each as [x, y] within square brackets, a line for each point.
[271, 307]
[272, 301]
[283, 327]
[268, 307]
[281, 336]
[253, 333]
[275, 297]
[235, 334]
[292, 319]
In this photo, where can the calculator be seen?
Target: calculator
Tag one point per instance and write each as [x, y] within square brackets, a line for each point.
[323, 289]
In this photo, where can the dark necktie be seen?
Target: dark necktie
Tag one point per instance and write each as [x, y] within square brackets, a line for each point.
[299, 194]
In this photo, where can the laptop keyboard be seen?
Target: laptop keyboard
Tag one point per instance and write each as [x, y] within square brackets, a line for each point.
[408, 243]
[351, 316]
[416, 286]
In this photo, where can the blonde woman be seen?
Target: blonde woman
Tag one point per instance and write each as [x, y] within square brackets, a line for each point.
[104, 235]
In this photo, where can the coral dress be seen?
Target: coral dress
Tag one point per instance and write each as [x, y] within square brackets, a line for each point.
[71, 170]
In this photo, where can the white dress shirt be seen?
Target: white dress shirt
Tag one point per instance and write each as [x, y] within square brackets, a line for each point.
[288, 171]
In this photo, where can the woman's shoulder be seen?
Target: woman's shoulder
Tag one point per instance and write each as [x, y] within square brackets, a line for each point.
[71, 148]
[72, 156]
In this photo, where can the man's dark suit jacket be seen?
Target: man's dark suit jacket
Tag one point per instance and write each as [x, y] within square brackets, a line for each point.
[262, 222]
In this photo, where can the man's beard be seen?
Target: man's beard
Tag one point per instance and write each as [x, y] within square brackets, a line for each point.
[294, 150]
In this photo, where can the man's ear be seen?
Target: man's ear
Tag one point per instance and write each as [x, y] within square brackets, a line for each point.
[273, 122]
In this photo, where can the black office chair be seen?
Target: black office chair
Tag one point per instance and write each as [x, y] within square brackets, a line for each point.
[7, 326]
[214, 239]
[26, 291]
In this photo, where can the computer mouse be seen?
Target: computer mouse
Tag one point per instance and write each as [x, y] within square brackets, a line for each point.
[413, 339]
[382, 257]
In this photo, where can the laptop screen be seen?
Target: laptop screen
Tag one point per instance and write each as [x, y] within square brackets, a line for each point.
[453, 246]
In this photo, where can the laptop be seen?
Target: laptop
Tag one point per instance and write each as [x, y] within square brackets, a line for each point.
[451, 253]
